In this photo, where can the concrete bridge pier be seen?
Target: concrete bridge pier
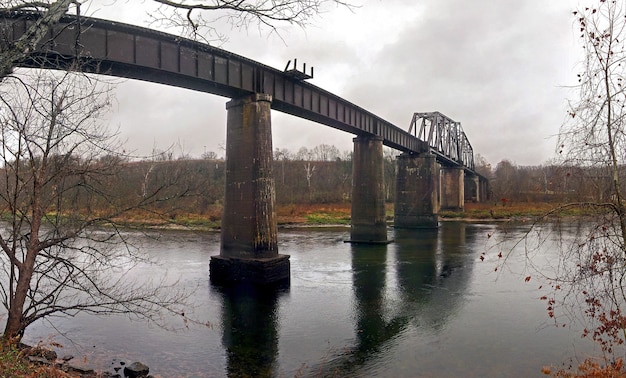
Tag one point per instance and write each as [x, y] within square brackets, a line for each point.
[472, 188]
[368, 191]
[249, 251]
[476, 188]
[483, 189]
[417, 191]
[452, 188]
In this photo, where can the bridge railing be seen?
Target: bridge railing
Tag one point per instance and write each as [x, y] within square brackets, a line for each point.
[445, 137]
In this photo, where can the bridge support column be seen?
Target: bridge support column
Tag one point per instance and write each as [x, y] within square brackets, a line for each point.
[249, 251]
[368, 191]
[483, 185]
[417, 185]
[472, 188]
[453, 189]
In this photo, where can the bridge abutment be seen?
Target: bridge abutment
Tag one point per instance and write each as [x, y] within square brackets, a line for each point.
[249, 251]
[453, 188]
[368, 223]
[417, 188]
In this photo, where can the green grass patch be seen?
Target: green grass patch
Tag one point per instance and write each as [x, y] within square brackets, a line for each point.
[389, 212]
[521, 211]
[452, 214]
[327, 218]
[12, 363]
[196, 222]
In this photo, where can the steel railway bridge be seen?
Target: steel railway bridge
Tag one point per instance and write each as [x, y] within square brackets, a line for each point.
[435, 168]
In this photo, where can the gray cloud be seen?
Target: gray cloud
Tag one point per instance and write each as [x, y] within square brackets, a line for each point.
[495, 66]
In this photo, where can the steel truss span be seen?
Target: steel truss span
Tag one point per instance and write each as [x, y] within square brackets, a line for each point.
[445, 137]
[113, 48]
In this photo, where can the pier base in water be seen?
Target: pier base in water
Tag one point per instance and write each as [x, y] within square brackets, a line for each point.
[228, 270]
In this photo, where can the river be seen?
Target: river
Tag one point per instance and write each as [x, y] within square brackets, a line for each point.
[422, 306]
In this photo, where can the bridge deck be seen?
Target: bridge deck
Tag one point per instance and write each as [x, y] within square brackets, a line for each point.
[113, 48]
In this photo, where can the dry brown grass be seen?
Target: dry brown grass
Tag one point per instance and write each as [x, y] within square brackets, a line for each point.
[304, 213]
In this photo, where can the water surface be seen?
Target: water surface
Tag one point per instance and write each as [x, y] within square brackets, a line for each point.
[422, 306]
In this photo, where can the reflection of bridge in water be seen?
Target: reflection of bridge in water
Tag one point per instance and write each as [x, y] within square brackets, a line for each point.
[416, 283]
[430, 272]
[436, 171]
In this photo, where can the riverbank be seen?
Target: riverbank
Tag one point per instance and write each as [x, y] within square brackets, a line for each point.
[338, 214]
[21, 361]
[18, 360]
[516, 211]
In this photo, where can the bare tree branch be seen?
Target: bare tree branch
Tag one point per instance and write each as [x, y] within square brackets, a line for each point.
[197, 19]
[25, 45]
[57, 193]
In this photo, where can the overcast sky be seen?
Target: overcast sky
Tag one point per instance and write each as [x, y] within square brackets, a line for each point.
[500, 67]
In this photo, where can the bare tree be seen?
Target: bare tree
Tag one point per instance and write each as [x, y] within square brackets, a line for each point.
[596, 137]
[590, 277]
[57, 258]
[309, 169]
[483, 167]
[209, 155]
[389, 175]
[325, 152]
[503, 183]
[304, 154]
[282, 155]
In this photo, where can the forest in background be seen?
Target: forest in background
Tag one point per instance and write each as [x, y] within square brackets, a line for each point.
[323, 175]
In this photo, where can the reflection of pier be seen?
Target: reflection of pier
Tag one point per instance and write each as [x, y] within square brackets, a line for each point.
[250, 336]
[431, 268]
[414, 282]
[372, 326]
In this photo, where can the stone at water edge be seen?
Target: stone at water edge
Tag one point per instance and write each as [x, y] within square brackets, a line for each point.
[67, 357]
[136, 369]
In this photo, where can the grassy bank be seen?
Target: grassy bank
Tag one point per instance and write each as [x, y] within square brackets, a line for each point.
[319, 214]
[14, 363]
[339, 214]
[313, 214]
[513, 211]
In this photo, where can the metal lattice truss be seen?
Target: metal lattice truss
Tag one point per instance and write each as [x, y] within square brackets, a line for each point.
[444, 136]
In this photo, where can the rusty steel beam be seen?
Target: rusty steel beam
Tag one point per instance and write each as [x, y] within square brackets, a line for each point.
[112, 48]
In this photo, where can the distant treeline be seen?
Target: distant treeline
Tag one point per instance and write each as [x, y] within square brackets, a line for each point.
[320, 175]
[327, 178]
[174, 187]
[547, 183]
